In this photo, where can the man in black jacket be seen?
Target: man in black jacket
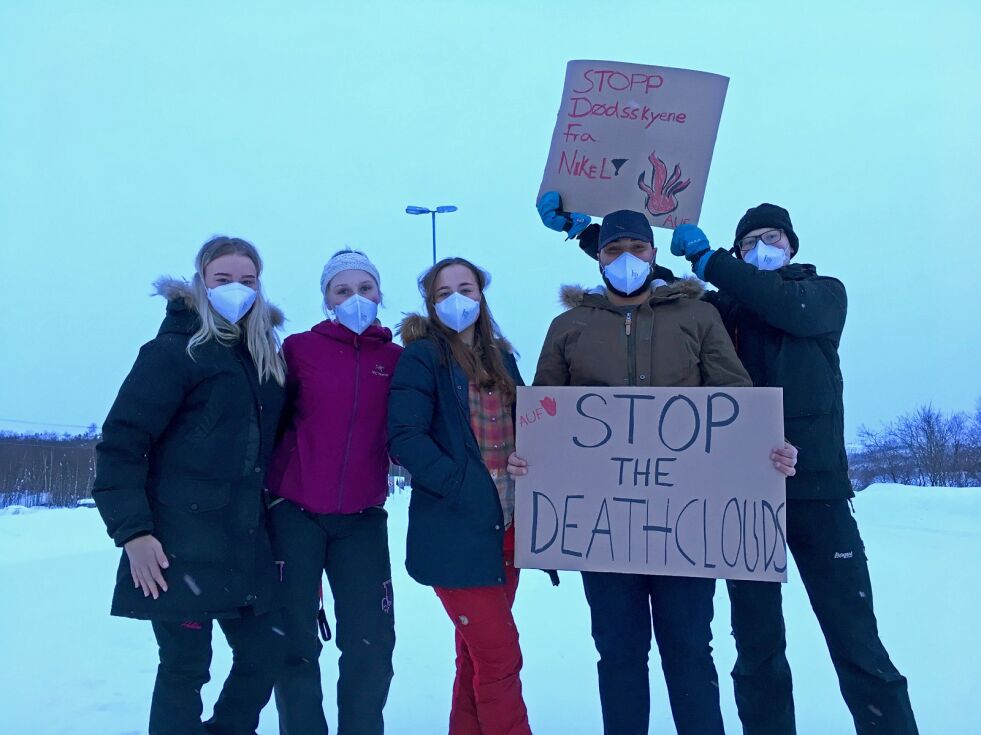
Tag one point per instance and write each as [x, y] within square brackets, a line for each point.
[786, 322]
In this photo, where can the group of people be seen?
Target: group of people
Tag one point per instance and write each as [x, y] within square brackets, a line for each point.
[234, 473]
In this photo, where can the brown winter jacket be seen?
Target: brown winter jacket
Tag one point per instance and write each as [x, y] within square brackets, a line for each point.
[672, 340]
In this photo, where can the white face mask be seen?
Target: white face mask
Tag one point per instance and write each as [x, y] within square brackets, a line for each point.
[356, 313]
[232, 300]
[458, 311]
[627, 273]
[766, 257]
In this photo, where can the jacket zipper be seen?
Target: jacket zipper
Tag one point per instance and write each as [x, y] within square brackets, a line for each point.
[631, 359]
[350, 428]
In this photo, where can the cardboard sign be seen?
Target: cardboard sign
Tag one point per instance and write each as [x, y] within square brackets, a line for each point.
[637, 137]
[673, 481]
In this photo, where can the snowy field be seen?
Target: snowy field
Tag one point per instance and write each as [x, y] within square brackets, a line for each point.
[67, 667]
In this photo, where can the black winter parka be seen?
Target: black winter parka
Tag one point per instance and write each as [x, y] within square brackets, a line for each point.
[786, 325]
[183, 457]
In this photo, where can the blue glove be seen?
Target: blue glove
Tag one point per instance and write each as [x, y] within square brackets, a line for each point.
[689, 241]
[550, 210]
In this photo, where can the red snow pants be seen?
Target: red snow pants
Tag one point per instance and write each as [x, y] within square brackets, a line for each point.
[487, 690]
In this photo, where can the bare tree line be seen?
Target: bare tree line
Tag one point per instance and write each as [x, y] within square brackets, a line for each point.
[46, 469]
[59, 469]
[923, 447]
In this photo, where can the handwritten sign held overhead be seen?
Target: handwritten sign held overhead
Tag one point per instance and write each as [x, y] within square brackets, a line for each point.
[637, 137]
[673, 481]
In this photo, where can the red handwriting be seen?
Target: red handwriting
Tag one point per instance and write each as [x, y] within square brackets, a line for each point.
[616, 80]
[670, 222]
[574, 135]
[531, 417]
[548, 403]
[584, 107]
[580, 165]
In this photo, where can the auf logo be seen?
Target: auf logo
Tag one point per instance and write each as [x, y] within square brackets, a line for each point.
[380, 371]
[547, 406]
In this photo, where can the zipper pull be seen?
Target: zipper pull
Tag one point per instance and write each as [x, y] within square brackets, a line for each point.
[626, 322]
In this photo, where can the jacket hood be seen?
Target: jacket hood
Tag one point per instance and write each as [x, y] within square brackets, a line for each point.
[571, 296]
[336, 331]
[182, 314]
[415, 327]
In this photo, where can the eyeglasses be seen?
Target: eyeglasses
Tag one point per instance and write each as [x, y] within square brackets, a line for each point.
[770, 237]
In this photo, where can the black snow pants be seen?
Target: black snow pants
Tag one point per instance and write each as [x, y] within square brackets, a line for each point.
[353, 551]
[823, 537]
[185, 662]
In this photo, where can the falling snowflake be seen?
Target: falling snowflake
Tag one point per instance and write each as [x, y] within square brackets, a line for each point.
[192, 585]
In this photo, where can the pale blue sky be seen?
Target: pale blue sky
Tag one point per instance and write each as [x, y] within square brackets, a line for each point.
[132, 131]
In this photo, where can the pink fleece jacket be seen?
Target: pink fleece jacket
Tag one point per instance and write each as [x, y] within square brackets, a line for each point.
[332, 457]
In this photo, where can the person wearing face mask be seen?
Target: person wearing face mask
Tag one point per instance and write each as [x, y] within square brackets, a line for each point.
[328, 481]
[179, 484]
[451, 425]
[640, 330]
[786, 322]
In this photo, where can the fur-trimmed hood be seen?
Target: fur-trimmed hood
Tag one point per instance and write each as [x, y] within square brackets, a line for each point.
[180, 297]
[413, 327]
[416, 326]
[571, 296]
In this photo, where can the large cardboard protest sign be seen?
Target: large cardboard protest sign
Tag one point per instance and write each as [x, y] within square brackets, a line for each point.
[630, 136]
[673, 481]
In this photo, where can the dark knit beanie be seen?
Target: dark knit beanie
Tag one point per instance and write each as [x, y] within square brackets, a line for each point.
[766, 215]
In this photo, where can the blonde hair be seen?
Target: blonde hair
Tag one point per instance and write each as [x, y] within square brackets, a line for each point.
[258, 328]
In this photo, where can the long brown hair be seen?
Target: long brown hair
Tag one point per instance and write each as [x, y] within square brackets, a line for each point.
[482, 362]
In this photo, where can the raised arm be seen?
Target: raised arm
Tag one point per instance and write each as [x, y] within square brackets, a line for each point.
[805, 308]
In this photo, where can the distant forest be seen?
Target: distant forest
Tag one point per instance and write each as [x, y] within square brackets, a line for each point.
[923, 447]
[59, 469]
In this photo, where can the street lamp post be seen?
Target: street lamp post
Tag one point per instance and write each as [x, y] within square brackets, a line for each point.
[425, 210]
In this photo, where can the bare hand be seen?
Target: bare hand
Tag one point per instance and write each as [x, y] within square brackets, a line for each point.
[516, 465]
[146, 564]
[785, 459]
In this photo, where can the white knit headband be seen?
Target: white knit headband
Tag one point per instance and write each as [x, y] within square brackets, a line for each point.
[347, 261]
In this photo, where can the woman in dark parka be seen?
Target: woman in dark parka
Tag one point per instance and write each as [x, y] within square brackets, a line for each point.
[451, 425]
[179, 482]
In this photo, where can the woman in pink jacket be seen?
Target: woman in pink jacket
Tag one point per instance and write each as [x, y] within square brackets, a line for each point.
[328, 480]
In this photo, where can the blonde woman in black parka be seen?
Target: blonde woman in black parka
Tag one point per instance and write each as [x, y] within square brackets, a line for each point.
[179, 484]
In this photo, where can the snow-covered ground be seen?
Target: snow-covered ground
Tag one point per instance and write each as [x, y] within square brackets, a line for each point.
[67, 667]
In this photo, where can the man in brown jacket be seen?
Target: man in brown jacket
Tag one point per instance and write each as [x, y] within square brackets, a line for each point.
[641, 331]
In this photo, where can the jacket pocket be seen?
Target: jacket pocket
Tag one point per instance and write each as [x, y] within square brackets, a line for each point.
[192, 520]
[819, 440]
[194, 496]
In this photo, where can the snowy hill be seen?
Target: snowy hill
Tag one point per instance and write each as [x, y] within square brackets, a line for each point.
[70, 668]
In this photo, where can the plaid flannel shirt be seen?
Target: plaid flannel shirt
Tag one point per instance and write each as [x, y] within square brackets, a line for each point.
[491, 422]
